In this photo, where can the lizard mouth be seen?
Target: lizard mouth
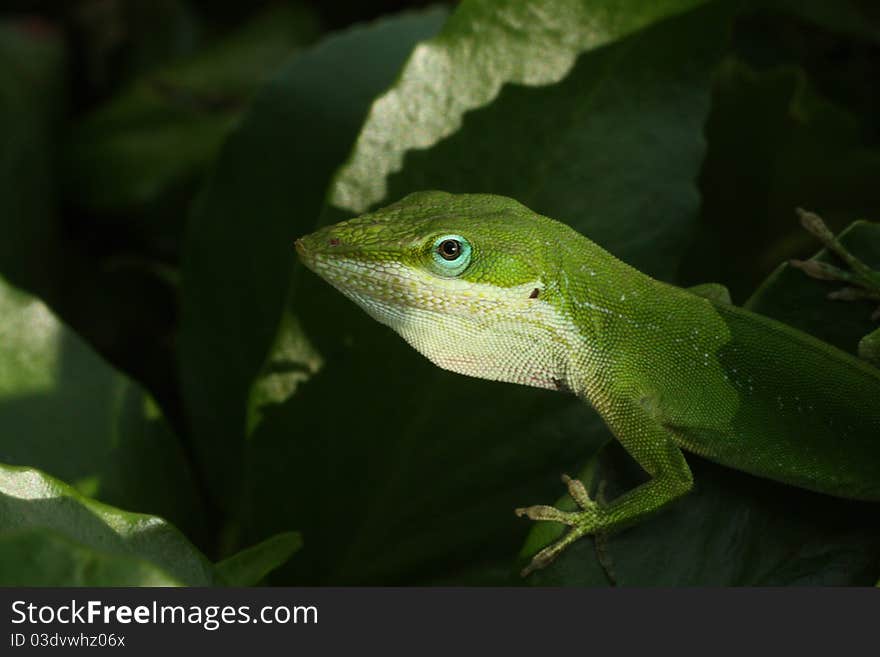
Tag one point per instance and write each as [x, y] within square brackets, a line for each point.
[353, 277]
[344, 266]
[315, 254]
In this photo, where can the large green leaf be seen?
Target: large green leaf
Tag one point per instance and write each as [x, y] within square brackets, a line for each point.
[426, 466]
[735, 529]
[65, 411]
[485, 45]
[267, 189]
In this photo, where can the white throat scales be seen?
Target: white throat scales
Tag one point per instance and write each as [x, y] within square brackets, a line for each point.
[476, 329]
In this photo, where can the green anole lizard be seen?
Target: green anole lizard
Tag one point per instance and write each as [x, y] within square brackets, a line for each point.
[485, 287]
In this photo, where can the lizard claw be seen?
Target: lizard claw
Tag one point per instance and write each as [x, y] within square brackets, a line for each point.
[578, 492]
[548, 513]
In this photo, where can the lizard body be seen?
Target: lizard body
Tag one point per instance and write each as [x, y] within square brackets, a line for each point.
[483, 286]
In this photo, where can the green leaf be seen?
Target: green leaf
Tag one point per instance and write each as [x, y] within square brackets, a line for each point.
[65, 411]
[164, 130]
[88, 533]
[486, 44]
[266, 190]
[41, 557]
[251, 565]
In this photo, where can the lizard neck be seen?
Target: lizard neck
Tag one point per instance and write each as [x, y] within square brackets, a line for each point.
[604, 300]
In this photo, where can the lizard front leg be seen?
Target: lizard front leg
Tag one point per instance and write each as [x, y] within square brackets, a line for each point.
[651, 445]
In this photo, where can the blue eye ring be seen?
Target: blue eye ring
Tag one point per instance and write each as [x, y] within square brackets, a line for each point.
[452, 254]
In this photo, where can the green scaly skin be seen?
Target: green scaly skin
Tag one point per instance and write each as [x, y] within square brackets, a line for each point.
[536, 303]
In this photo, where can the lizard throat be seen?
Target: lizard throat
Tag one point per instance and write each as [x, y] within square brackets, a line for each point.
[476, 329]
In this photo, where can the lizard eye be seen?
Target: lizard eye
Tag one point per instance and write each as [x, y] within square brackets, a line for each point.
[452, 254]
[449, 249]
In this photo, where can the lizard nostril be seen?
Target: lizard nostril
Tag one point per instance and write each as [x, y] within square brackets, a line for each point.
[334, 241]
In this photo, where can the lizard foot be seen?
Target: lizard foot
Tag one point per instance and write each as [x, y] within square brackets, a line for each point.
[861, 281]
[582, 523]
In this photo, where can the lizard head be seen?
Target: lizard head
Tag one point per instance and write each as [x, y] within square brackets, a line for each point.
[469, 280]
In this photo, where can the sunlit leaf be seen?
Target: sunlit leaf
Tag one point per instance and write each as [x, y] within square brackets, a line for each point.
[31, 500]
[485, 45]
